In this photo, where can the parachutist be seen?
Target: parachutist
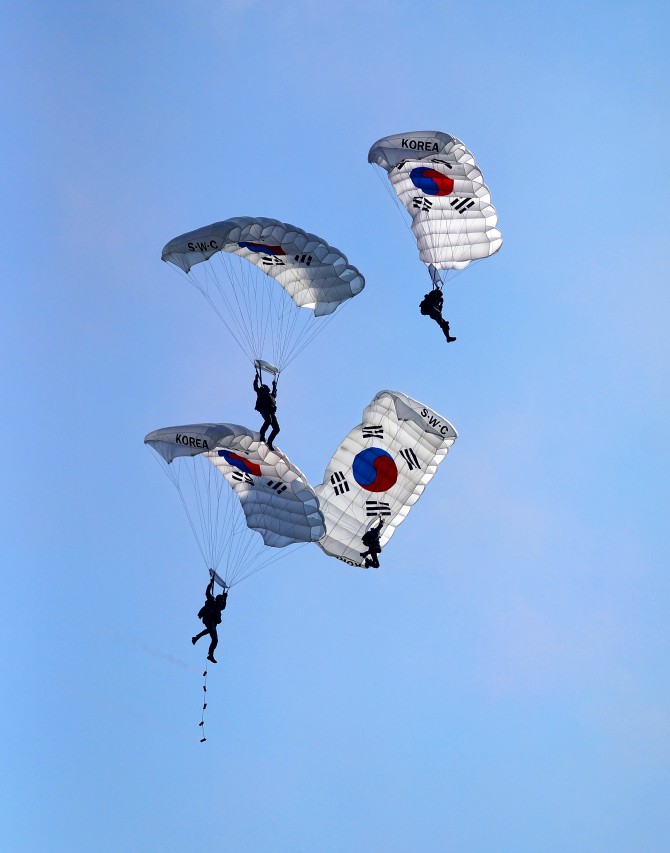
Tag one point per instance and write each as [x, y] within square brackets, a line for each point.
[266, 405]
[210, 615]
[431, 306]
[371, 540]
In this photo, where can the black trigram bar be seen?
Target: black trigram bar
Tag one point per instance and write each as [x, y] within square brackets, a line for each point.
[400, 164]
[271, 261]
[373, 432]
[339, 481]
[462, 204]
[242, 478]
[303, 259]
[377, 508]
[442, 162]
[278, 487]
[410, 457]
[421, 203]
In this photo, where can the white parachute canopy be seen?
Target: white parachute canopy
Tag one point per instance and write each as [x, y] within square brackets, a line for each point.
[272, 284]
[437, 181]
[233, 487]
[380, 470]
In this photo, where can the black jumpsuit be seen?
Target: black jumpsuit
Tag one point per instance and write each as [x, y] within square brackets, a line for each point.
[266, 405]
[371, 540]
[431, 306]
[210, 615]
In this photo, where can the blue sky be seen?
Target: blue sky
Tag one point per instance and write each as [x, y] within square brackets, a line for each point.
[501, 683]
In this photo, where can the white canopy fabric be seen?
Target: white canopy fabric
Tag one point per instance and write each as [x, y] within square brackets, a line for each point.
[379, 471]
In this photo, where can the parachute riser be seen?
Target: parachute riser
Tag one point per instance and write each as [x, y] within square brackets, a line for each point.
[219, 580]
[269, 368]
[435, 277]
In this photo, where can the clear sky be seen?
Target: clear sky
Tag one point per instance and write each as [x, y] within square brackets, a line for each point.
[501, 683]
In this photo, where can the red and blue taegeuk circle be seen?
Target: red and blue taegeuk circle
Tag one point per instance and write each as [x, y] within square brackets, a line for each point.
[431, 182]
[374, 470]
[240, 462]
[261, 248]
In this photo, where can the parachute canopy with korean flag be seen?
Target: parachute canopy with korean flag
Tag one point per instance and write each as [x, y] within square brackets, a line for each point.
[233, 488]
[437, 181]
[273, 285]
[379, 471]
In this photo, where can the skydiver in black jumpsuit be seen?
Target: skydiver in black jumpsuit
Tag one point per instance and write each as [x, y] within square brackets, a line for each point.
[210, 615]
[266, 404]
[431, 306]
[371, 541]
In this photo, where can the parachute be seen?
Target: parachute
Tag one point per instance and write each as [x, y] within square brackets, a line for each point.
[437, 181]
[379, 471]
[233, 487]
[270, 283]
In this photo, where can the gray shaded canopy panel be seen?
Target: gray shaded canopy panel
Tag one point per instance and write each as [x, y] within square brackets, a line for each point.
[437, 181]
[316, 275]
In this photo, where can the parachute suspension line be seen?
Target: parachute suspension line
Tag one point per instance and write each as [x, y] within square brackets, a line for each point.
[234, 289]
[226, 523]
[292, 323]
[212, 283]
[253, 558]
[173, 476]
[255, 308]
[307, 335]
[262, 305]
[202, 512]
[244, 551]
[388, 189]
[280, 311]
[251, 555]
[273, 312]
[273, 559]
[309, 328]
[226, 544]
[209, 493]
[194, 281]
[241, 287]
[448, 276]
[215, 528]
[237, 543]
[259, 289]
